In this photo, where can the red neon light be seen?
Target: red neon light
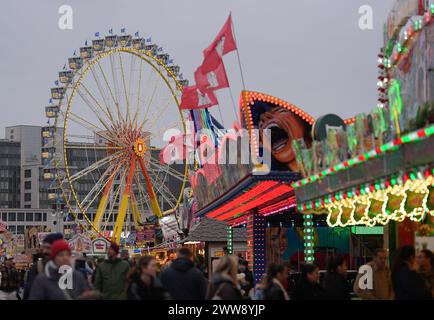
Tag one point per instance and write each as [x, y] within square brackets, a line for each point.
[277, 206]
[272, 194]
[247, 196]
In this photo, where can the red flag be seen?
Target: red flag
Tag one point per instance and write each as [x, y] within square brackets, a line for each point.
[192, 98]
[212, 80]
[224, 42]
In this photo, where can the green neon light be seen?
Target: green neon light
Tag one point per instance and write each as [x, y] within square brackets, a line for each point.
[377, 230]
[395, 104]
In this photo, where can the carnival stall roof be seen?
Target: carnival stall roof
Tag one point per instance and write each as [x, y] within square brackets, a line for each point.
[211, 230]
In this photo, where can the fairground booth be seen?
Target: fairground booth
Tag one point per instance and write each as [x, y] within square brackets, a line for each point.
[375, 175]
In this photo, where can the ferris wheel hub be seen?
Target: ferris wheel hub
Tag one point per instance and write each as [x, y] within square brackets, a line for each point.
[139, 147]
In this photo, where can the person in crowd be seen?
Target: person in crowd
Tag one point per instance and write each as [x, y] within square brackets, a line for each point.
[275, 280]
[335, 282]
[82, 266]
[425, 260]
[224, 284]
[168, 262]
[182, 279]
[10, 279]
[125, 255]
[39, 265]
[111, 275]
[248, 282]
[46, 285]
[143, 283]
[381, 283]
[308, 287]
[407, 283]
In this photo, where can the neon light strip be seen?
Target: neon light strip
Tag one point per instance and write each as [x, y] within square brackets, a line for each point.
[255, 191]
[277, 192]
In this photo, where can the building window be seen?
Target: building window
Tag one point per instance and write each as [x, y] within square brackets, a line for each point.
[27, 197]
[44, 216]
[27, 206]
[12, 216]
[20, 229]
[28, 185]
[13, 229]
[4, 216]
[29, 216]
[27, 173]
[20, 216]
[38, 216]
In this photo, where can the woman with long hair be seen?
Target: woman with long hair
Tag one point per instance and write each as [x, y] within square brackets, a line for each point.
[143, 283]
[273, 287]
[406, 282]
[224, 284]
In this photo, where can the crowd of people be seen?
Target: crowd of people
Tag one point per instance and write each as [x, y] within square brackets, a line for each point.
[118, 278]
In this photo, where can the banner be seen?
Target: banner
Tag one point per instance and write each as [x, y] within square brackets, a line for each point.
[100, 246]
[19, 242]
[80, 243]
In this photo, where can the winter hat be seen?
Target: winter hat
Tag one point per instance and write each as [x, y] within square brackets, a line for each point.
[114, 246]
[50, 238]
[59, 246]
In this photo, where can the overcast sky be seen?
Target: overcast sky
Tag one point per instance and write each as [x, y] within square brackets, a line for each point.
[310, 53]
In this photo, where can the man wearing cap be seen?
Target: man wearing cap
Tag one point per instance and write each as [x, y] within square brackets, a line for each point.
[38, 267]
[55, 283]
[111, 276]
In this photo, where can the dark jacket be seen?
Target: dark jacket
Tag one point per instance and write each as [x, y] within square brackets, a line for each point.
[46, 285]
[224, 288]
[138, 290]
[35, 269]
[110, 279]
[10, 278]
[409, 285]
[306, 290]
[273, 292]
[249, 282]
[183, 281]
[336, 287]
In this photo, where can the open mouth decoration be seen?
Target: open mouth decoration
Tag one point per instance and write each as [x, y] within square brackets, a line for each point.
[279, 137]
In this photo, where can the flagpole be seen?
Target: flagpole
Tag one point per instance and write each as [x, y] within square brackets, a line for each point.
[221, 116]
[238, 54]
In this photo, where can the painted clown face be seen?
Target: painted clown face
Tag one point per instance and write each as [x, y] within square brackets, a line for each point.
[283, 127]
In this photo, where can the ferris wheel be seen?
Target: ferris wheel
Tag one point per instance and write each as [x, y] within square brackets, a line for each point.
[110, 109]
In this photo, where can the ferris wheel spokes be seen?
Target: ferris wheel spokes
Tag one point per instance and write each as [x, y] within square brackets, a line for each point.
[95, 165]
[152, 197]
[102, 206]
[124, 202]
[100, 186]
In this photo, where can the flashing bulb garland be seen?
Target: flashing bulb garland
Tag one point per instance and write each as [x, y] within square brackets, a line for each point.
[413, 199]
